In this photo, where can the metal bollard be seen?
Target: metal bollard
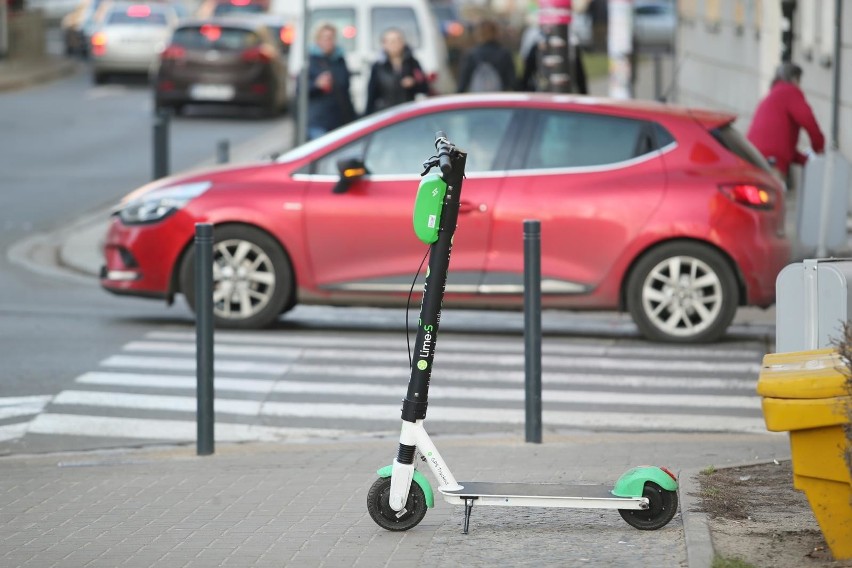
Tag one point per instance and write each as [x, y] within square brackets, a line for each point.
[204, 337]
[532, 329]
[161, 144]
[223, 152]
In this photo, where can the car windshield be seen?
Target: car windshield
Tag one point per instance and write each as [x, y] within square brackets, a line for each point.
[730, 138]
[209, 36]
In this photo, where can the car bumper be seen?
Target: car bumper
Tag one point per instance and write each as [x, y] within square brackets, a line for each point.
[139, 259]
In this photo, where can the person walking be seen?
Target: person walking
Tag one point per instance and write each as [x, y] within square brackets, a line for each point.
[779, 117]
[397, 76]
[488, 66]
[329, 102]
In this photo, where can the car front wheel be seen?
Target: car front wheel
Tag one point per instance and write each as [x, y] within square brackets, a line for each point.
[252, 278]
[682, 292]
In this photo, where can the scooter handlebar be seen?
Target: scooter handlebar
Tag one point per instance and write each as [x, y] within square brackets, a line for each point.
[444, 147]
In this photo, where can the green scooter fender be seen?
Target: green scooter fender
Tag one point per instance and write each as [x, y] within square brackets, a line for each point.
[632, 483]
[419, 479]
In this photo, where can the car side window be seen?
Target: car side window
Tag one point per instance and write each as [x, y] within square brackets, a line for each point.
[570, 139]
[401, 148]
[327, 165]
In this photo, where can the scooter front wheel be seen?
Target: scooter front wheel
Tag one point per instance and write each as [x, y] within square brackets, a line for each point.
[662, 506]
[378, 505]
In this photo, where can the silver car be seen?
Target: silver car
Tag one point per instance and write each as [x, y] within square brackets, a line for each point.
[128, 37]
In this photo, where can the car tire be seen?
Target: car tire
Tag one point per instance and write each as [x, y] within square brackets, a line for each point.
[682, 292]
[99, 77]
[253, 278]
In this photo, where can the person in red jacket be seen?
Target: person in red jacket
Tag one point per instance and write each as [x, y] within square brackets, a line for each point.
[779, 117]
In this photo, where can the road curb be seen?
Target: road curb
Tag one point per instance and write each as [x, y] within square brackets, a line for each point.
[23, 73]
[696, 525]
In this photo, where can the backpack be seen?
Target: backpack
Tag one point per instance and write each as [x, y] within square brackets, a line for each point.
[485, 78]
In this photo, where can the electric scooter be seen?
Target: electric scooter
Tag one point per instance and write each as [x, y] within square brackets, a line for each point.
[646, 496]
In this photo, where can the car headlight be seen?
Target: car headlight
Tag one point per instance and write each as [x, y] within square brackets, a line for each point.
[160, 203]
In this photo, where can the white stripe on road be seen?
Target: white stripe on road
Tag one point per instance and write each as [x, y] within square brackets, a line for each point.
[186, 430]
[388, 412]
[13, 431]
[436, 392]
[500, 345]
[500, 376]
[185, 364]
[496, 359]
[13, 406]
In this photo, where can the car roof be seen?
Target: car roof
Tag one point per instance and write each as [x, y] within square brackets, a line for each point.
[708, 118]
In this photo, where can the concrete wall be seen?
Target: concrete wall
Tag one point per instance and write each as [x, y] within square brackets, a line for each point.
[727, 51]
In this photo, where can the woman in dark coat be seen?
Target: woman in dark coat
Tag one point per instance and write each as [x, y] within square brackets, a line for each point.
[397, 77]
[329, 102]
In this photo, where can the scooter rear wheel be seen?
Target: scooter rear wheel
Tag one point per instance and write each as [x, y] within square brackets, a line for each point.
[662, 506]
[378, 505]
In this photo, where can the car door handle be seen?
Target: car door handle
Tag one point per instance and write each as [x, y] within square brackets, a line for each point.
[468, 207]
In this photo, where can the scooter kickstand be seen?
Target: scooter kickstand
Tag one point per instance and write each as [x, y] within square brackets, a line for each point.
[468, 507]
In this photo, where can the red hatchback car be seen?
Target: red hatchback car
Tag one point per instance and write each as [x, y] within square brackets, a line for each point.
[663, 211]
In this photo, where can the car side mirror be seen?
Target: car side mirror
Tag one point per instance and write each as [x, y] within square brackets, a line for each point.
[350, 169]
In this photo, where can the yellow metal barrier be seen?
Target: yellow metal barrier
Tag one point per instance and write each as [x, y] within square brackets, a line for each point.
[804, 393]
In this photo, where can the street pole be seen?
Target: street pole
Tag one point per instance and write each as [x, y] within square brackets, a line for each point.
[620, 49]
[302, 102]
[788, 8]
[204, 338]
[554, 17]
[161, 144]
[532, 329]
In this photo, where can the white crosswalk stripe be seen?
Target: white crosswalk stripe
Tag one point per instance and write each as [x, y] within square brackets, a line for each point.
[309, 384]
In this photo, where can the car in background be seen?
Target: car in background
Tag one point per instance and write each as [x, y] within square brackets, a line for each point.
[73, 27]
[225, 60]
[654, 25]
[129, 36]
[360, 26]
[666, 212]
[213, 8]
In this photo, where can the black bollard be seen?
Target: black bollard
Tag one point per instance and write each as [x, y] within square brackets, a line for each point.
[161, 144]
[532, 329]
[223, 152]
[204, 336]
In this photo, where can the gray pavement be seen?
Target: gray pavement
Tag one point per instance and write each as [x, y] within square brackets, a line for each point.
[304, 504]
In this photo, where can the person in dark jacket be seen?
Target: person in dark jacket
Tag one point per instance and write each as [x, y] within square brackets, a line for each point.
[489, 51]
[533, 79]
[397, 77]
[329, 103]
[778, 119]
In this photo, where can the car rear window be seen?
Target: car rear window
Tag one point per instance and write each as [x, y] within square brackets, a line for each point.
[209, 36]
[401, 18]
[733, 141]
[238, 8]
[141, 14]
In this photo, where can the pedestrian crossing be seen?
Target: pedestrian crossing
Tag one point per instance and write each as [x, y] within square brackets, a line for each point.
[317, 384]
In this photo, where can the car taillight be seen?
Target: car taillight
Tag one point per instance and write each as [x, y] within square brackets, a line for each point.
[139, 11]
[751, 195]
[287, 34]
[99, 43]
[455, 29]
[257, 55]
[349, 32]
[173, 52]
[210, 32]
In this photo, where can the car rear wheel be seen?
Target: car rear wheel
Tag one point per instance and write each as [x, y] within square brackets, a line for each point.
[682, 292]
[252, 278]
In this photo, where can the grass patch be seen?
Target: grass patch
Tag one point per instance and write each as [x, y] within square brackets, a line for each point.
[720, 562]
[709, 470]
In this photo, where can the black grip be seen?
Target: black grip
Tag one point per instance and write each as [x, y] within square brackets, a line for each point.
[443, 146]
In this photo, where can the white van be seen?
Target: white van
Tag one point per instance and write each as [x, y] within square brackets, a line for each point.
[359, 29]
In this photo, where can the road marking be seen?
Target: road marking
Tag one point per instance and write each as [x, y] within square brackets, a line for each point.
[177, 430]
[11, 407]
[497, 359]
[436, 392]
[13, 431]
[501, 345]
[390, 413]
[185, 364]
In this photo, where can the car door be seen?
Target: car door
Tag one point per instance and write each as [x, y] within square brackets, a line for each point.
[363, 240]
[592, 180]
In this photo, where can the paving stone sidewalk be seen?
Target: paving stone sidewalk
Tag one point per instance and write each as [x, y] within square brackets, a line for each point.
[305, 504]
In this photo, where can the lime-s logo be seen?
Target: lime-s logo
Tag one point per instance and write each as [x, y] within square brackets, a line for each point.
[422, 364]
